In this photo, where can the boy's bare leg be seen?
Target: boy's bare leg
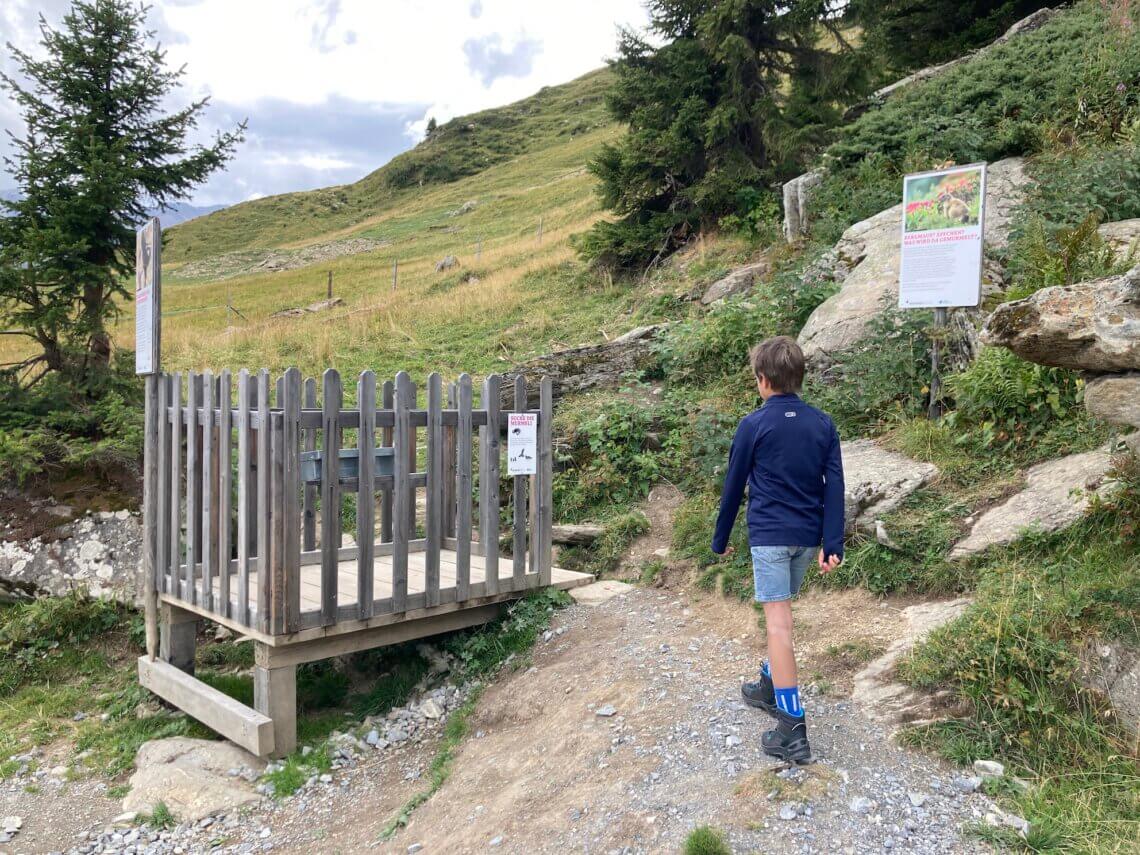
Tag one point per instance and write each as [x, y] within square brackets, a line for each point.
[781, 653]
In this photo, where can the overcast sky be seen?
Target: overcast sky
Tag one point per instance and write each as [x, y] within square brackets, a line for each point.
[334, 88]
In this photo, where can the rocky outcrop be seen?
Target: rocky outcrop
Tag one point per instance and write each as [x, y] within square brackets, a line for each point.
[311, 309]
[446, 263]
[194, 778]
[1092, 326]
[1123, 237]
[876, 689]
[99, 553]
[273, 260]
[1056, 495]
[1115, 398]
[1112, 670]
[797, 198]
[739, 281]
[877, 481]
[866, 263]
[595, 366]
[1026, 25]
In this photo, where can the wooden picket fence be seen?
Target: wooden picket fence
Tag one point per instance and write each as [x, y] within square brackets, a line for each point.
[241, 536]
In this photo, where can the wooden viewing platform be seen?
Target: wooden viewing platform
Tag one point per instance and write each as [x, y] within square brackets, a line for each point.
[248, 482]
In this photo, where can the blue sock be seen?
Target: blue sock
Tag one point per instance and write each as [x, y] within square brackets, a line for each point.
[764, 669]
[788, 700]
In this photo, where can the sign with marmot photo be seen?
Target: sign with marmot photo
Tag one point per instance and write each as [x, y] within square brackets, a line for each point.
[942, 227]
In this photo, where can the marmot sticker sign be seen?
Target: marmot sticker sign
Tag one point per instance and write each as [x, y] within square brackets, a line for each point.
[942, 226]
[522, 444]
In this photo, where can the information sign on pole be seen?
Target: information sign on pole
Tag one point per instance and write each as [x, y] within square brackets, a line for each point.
[942, 228]
[148, 302]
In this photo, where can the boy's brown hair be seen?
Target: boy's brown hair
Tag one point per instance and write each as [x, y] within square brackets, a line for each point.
[781, 360]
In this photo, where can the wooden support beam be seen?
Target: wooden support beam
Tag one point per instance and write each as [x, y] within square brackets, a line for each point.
[235, 721]
[275, 697]
[178, 631]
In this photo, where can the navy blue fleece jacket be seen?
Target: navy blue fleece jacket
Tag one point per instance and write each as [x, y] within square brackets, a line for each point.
[787, 453]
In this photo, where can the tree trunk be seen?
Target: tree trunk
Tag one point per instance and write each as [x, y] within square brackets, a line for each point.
[98, 354]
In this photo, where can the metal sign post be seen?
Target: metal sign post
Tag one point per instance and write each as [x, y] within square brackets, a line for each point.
[148, 342]
[940, 264]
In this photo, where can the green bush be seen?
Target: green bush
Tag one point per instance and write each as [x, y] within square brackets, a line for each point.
[885, 381]
[706, 841]
[607, 460]
[1009, 402]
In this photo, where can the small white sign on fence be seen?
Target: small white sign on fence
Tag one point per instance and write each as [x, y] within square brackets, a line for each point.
[148, 304]
[522, 444]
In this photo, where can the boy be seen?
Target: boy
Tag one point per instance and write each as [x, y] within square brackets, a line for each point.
[788, 455]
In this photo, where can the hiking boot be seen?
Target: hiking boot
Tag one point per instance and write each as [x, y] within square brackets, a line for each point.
[789, 740]
[760, 694]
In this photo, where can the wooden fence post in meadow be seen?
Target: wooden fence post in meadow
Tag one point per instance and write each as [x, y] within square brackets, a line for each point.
[540, 230]
[395, 272]
[478, 250]
[330, 285]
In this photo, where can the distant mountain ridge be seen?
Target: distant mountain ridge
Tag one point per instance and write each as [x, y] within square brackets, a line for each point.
[179, 213]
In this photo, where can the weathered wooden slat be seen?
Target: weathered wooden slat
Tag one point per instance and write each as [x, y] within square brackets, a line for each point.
[463, 441]
[350, 419]
[545, 480]
[264, 508]
[449, 463]
[209, 487]
[225, 490]
[277, 521]
[489, 479]
[175, 560]
[193, 488]
[388, 394]
[518, 546]
[309, 508]
[435, 481]
[162, 558]
[330, 494]
[365, 497]
[412, 450]
[152, 542]
[291, 476]
[244, 519]
[401, 493]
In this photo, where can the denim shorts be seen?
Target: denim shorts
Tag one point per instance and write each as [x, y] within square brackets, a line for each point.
[778, 571]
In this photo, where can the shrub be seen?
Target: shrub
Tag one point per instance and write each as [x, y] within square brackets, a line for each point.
[1047, 258]
[706, 841]
[1008, 401]
[884, 381]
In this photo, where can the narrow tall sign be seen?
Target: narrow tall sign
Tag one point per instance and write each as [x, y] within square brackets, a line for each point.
[148, 302]
[148, 339]
[940, 267]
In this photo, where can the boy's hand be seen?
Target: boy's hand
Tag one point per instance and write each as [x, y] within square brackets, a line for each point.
[728, 550]
[826, 566]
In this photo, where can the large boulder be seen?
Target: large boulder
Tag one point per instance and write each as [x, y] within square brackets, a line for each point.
[194, 778]
[739, 281]
[1123, 237]
[594, 366]
[869, 250]
[1115, 398]
[877, 481]
[1092, 326]
[797, 198]
[1112, 670]
[1056, 495]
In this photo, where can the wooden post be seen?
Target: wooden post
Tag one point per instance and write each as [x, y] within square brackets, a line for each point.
[330, 494]
[193, 489]
[395, 272]
[152, 406]
[225, 491]
[264, 508]
[940, 320]
[463, 492]
[365, 494]
[518, 548]
[179, 637]
[545, 481]
[275, 696]
[148, 347]
[330, 285]
[401, 494]
[540, 230]
[176, 556]
[206, 593]
[243, 511]
[449, 460]
[435, 479]
[388, 396]
[489, 483]
[478, 250]
[165, 482]
[291, 508]
[309, 506]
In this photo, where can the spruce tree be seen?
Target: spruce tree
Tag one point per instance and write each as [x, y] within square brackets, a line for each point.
[739, 96]
[97, 151]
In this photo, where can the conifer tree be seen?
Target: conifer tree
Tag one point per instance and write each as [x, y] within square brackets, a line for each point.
[98, 149]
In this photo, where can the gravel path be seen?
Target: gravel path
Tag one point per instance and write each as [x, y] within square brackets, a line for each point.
[625, 734]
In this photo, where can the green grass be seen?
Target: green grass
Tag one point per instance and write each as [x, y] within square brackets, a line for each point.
[706, 840]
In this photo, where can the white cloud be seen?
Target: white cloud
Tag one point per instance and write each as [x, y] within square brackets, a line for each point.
[380, 64]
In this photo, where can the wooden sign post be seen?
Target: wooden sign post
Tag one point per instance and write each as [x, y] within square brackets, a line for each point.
[148, 339]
